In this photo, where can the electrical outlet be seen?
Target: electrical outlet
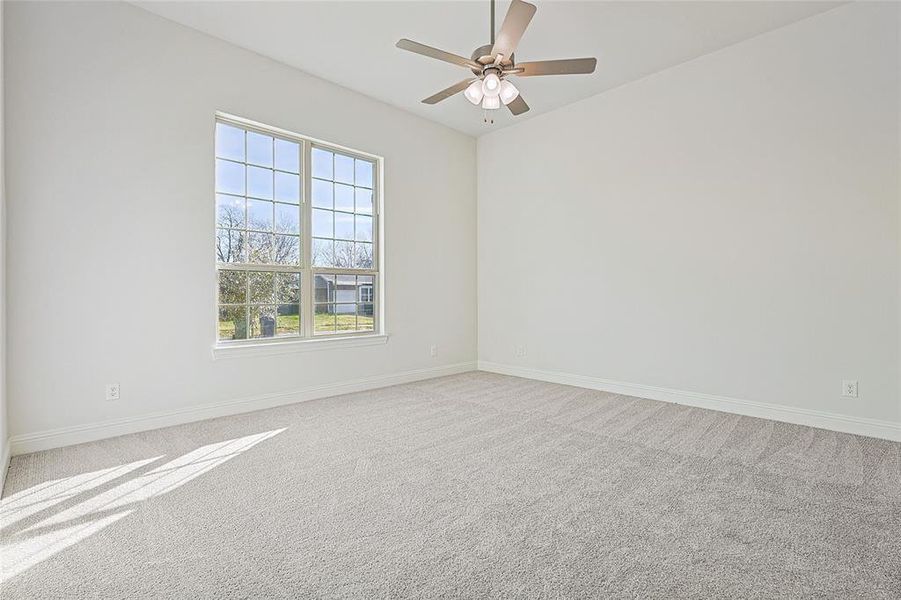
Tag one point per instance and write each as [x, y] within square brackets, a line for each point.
[112, 391]
[519, 351]
[849, 388]
[433, 351]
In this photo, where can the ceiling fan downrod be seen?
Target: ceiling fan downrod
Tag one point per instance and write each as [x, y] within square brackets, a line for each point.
[492, 22]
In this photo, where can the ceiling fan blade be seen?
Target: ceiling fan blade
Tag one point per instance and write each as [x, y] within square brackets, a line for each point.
[569, 66]
[518, 106]
[447, 93]
[411, 46]
[518, 17]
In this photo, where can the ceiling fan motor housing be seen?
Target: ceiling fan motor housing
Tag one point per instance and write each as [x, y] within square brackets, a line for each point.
[483, 56]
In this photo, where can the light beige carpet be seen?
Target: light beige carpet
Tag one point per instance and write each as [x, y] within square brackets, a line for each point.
[470, 486]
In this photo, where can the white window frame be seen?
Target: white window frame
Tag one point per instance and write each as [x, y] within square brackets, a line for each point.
[307, 339]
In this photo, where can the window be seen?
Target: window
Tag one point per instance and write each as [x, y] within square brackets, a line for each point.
[296, 236]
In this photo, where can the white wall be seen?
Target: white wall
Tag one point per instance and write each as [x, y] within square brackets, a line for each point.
[111, 273]
[728, 227]
[4, 427]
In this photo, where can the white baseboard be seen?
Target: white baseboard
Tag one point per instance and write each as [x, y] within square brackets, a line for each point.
[4, 463]
[67, 436]
[800, 416]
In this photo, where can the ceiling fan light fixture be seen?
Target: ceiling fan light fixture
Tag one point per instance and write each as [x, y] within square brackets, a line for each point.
[508, 92]
[491, 102]
[491, 85]
[474, 92]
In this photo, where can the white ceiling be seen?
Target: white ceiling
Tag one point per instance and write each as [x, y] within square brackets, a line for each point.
[352, 43]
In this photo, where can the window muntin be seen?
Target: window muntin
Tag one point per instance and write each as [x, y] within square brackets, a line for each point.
[338, 304]
[257, 203]
[342, 210]
[276, 279]
[258, 304]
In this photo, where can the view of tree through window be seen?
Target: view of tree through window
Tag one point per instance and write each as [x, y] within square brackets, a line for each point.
[277, 276]
[342, 211]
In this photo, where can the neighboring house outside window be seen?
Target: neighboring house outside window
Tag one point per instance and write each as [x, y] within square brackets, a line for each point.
[297, 236]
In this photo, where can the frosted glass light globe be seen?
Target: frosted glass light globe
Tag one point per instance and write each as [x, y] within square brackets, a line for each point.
[508, 92]
[474, 92]
[491, 102]
[491, 85]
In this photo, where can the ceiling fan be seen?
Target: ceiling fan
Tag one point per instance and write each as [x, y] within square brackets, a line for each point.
[493, 63]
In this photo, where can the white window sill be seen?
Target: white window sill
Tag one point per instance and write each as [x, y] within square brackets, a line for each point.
[244, 350]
